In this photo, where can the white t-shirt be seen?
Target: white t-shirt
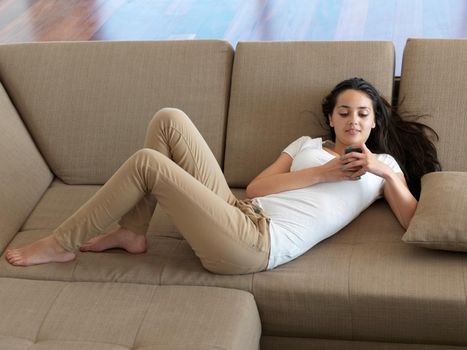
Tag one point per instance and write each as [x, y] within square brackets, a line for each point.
[302, 218]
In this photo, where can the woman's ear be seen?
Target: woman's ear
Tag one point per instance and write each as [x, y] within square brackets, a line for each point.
[330, 121]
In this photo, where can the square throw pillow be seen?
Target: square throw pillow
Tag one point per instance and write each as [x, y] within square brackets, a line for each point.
[440, 221]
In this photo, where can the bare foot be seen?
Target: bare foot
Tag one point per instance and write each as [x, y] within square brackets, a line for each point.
[42, 251]
[121, 238]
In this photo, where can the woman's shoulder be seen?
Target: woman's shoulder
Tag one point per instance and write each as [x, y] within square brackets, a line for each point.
[301, 143]
[309, 141]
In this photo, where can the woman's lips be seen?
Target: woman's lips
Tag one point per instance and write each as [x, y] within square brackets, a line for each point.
[353, 132]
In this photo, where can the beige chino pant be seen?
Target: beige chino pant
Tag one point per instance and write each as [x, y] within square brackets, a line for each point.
[177, 170]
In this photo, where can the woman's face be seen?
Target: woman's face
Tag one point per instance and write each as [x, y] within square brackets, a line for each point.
[353, 118]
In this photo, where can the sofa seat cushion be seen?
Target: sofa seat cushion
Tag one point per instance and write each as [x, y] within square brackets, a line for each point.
[365, 284]
[361, 284]
[114, 265]
[117, 316]
[168, 260]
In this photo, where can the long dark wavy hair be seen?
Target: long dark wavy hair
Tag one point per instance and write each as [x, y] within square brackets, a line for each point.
[408, 141]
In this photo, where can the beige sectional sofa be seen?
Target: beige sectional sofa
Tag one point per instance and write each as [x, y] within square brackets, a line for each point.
[71, 113]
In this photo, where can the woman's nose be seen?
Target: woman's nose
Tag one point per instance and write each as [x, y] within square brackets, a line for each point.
[353, 120]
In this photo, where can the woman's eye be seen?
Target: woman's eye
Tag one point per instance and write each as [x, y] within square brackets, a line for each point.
[343, 114]
[363, 115]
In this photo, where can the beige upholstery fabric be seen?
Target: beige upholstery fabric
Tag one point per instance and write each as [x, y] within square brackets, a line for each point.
[362, 288]
[168, 261]
[59, 315]
[24, 175]
[62, 200]
[57, 204]
[434, 82]
[277, 89]
[279, 343]
[365, 284]
[440, 221]
[87, 105]
[361, 284]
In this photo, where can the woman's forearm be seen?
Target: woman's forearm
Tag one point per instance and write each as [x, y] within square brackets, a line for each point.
[401, 201]
[276, 183]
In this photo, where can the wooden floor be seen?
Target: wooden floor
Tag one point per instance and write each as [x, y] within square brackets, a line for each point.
[233, 20]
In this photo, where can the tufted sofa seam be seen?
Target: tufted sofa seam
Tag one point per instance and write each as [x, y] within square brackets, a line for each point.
[155, 288]
[83, 341]
[66, 284]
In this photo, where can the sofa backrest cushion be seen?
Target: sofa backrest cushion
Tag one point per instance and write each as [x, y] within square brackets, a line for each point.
[24, 176]
[277, 89]
[87, 104]
[434, 82]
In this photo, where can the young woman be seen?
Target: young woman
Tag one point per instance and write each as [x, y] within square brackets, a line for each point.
[307, 194]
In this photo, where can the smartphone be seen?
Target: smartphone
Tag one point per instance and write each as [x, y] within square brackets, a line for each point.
[353, 149]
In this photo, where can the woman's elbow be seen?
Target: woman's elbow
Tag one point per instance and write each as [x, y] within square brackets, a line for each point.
[253, 191]
[249, 193]
[405, 222]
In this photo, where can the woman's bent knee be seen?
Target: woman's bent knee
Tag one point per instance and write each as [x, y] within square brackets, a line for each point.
[145, 153]
[167, 116]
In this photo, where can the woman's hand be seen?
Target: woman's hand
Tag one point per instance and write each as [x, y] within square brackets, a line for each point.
[278, 177]
[396, 192]
[361, 163]
[339, 169]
